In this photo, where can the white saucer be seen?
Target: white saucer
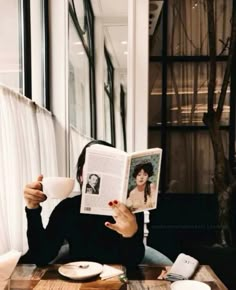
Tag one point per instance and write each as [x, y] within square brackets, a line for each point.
[189, 285]
[80, 270]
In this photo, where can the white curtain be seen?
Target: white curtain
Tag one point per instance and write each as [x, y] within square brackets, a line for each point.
[48, 154]
[24, 154]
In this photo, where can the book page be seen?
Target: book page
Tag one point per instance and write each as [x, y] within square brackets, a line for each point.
[103, 175]
[143, 174]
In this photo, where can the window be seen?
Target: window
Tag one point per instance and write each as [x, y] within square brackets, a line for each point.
[81, 68]
[11, 57]
[23, 48]
[179, 72]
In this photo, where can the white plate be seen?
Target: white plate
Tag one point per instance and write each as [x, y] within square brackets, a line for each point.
[189, 285]
[80, 270]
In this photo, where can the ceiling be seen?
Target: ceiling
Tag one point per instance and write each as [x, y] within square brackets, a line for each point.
[115, 21]
[115, 24]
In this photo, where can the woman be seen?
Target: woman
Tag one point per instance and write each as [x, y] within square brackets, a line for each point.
[144, 193]
[103, 239]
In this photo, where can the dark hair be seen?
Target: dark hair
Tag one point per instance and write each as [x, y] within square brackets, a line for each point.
[81, 159]
[147, 167]
[93, 174]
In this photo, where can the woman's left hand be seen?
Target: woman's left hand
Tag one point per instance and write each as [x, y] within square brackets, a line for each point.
[125, 221]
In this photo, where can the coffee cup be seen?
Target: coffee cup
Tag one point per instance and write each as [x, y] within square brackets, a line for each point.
[57, 187]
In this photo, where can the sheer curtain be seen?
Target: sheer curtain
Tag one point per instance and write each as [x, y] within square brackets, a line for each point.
[24, 155]
[187, 26]
[48, 154]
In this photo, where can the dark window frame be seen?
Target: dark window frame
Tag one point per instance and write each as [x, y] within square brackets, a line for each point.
[26, 49]
[89, 50]
[46, 55]
[109, 90]
[123, 114]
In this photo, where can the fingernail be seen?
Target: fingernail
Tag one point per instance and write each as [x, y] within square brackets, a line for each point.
[115, 201]
[107, 224]
[110, 203]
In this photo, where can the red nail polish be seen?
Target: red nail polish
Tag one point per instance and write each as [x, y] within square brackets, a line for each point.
[110, 203]
[115, 201]
[107, 224]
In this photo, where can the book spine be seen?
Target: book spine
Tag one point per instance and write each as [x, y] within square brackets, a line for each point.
[126, 179]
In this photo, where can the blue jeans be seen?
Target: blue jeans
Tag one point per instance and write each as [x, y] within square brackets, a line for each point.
[153, 256]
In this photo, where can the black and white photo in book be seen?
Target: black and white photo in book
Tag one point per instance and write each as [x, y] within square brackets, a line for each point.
[93, 182]
[143, 182]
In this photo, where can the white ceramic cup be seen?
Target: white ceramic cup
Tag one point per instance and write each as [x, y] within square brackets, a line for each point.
[57, 187]
[189, 285]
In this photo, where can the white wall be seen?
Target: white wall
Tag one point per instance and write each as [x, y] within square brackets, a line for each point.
[137, 106]
[58, 26]
[99, 72]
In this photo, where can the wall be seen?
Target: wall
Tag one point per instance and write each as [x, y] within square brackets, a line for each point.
[58, 27]
[137, 106]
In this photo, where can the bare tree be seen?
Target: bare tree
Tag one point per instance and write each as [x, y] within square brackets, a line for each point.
[224, 181]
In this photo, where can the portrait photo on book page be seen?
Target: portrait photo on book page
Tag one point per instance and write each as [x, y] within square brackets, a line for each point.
[143, 181]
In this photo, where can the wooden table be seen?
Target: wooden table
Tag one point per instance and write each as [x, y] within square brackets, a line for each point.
[27, 277]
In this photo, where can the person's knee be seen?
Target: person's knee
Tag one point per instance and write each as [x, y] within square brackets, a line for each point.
[152, 256]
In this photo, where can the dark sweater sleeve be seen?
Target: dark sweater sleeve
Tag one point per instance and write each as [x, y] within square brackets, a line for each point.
[132, 249]
[44, 244]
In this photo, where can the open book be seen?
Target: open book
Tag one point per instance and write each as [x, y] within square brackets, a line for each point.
[112, 174]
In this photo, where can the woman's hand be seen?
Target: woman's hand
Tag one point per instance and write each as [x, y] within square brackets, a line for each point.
[33, 193]
[125, 221]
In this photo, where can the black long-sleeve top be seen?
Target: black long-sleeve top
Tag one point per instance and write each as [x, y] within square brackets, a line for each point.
[89, 239]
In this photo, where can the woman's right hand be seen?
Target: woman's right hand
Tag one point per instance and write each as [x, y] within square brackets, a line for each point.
[33, 193]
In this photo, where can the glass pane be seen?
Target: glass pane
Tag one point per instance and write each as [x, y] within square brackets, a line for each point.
[79, 96]
[187, 93]
[155, 97]
[156, 40]
[10, 45]
[187, 26]
[154, 139]
[193, 153]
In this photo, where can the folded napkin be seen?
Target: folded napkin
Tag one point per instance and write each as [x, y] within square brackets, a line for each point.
[8, 263]
[109, 272]
[183, 268]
